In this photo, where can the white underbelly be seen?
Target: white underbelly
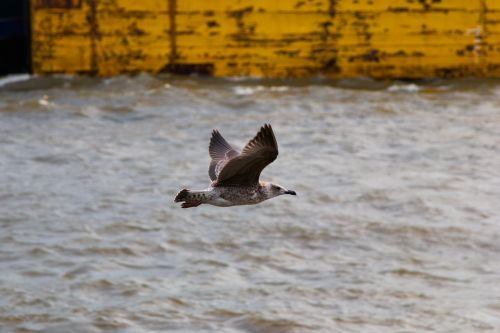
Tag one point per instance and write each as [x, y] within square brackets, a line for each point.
[220, 202]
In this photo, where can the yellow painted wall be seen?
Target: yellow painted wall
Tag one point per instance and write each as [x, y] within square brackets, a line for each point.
[280, 38]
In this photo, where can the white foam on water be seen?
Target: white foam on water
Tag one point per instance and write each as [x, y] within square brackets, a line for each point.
[14, 78]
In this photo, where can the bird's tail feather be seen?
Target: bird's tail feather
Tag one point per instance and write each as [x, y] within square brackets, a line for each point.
[182, 195]
[189, 198]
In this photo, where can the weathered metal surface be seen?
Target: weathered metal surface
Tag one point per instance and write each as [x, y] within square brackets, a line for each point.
[104, 37]
[287, 38]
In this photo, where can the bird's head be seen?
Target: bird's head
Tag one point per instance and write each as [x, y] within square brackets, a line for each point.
[274, 190]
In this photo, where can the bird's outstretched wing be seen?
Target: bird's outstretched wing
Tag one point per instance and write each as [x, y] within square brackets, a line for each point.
[244, 169]
[220, 151]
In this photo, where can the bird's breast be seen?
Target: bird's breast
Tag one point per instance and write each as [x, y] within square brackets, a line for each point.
[240, 195]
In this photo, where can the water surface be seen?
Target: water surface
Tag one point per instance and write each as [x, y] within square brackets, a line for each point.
[395, 228]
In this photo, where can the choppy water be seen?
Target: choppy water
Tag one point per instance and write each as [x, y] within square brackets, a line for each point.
[396, 226]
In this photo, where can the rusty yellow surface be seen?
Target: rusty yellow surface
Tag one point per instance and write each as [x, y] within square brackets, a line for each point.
[282, 38]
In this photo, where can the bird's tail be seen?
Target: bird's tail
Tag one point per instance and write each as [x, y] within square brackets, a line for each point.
[182, 195]
[189, 198]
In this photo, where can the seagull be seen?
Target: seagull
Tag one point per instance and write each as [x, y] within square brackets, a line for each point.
[235, 175]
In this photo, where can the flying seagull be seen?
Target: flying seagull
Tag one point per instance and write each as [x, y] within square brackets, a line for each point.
[235, 175]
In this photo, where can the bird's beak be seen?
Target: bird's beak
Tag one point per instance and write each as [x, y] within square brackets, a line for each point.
[290, 192]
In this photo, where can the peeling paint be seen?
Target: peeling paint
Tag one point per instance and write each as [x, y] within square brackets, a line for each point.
[94, 35]
[287, 38]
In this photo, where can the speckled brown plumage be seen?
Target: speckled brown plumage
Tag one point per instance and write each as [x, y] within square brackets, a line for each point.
[235, 175]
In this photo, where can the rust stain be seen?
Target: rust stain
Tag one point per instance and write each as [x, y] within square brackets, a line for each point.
[94, 35]
[238, 14]
[369, 56]
[331, 66]
[382, 39]
[244, 30]
[213, 24]
[425, 4]
[206, 69]
[134, 30]
[172, 11]
[288, 53]
[66, 4]
[299, 4]
[452, 72]
[332, 5]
